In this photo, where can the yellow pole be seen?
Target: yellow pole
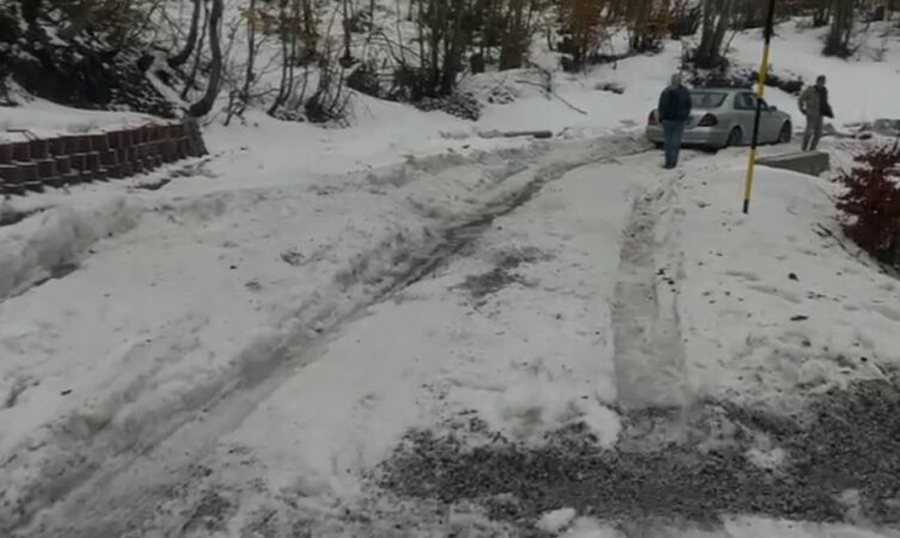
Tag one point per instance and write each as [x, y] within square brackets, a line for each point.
[760, 93]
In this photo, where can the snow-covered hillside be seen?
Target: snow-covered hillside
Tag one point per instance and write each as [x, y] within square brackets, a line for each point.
[363, 331]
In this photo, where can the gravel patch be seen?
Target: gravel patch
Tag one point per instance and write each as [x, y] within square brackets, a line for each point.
[848, 449]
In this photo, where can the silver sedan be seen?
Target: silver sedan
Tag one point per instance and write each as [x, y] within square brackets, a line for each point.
[724, 117]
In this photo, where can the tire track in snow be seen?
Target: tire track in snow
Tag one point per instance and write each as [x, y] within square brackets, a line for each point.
[111, 486]
[649, 349]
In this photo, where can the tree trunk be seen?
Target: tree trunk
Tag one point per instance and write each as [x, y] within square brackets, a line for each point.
[251, 52]
[204, 105]
[285, 59]
[347, 24]
[310, 37]
[722, 28]
[515, 39]
[838, 41]
[198, 57]
[188, 49]
[454, 46]
[292, 79]
[716, 17]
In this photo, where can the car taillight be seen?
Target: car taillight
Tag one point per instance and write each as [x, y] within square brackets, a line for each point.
[652, 119]
[708, 120]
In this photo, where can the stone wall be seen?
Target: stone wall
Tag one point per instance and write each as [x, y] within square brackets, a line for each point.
[40, 163]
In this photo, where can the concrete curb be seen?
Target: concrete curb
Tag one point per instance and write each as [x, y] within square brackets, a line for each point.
[812, 163]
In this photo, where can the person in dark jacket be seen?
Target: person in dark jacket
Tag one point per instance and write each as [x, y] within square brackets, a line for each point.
[674, 111]
[815, 106]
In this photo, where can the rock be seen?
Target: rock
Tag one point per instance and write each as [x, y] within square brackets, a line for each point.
[612, 87]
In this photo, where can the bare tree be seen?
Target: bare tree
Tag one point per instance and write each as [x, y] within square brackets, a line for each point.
[198, 56]
[299, 39]
[285, 58]
[251, 50]
[347, 12]
[716, 20]
[838, 41]
[191, 43]
[214, 85]
[517, 29]
[582, 21]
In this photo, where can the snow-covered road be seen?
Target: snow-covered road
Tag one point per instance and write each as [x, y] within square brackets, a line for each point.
[267, 361]
[210, 295]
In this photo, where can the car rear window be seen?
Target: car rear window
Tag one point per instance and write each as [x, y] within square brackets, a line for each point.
[707, 99]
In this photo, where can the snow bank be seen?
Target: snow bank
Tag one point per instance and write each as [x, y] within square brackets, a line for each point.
[54, 240]
[555, 521]
[578, 108]
[751, 527]
[44, 119]
[803, 317]
[586, 527]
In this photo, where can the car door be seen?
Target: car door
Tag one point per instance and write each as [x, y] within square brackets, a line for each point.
[745, 105]
[745, 112]
[769, 124]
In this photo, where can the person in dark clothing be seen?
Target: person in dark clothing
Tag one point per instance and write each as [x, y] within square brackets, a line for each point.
[674, 111]
[815, 106]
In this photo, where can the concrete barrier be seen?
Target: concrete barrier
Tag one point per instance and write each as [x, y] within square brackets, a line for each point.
[812, 163]
[71, 159]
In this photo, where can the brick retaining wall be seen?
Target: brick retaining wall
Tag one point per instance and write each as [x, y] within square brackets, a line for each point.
[36, 164]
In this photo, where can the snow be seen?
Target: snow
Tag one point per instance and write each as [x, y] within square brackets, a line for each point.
[534, 358]
[804, 317]
[557, 520]
[238, 276]
[268, 311]
[861, 89]
[747, 527]
[537, 354]
[44, 119]
[54, 239]
[586, 527]
[641, 77]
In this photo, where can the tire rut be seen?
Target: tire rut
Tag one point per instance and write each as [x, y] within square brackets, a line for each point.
[649, 351]
[105, 493]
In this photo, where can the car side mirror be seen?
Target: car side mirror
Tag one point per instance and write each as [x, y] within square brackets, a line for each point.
[773, 108]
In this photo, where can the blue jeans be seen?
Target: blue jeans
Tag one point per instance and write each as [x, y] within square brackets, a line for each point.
[672, 131]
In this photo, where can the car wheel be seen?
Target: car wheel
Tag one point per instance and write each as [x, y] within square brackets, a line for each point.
[787, 131]
[735, 137]
[658, 145]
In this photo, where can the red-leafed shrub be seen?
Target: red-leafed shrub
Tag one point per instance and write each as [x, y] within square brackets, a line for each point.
[871, 202]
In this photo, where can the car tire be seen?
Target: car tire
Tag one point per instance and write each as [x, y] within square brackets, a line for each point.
[786, 133]
[658, 145]
[735, 137]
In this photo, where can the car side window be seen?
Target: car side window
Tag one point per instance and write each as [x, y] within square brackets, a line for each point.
[745, 101]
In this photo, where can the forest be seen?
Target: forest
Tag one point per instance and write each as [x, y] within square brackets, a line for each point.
[298, 59]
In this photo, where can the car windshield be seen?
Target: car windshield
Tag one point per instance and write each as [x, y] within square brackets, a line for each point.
[707, 99]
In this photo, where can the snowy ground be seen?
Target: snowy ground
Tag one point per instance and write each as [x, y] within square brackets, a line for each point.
[279, 382]
[237, 352]
[861, 89]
